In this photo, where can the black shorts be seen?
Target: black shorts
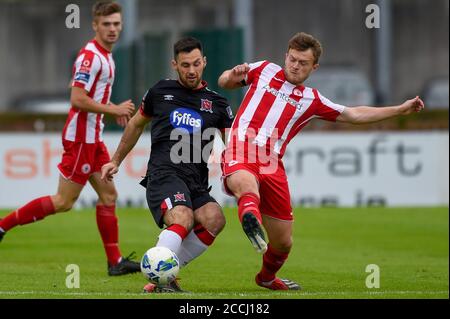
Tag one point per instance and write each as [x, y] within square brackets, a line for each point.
[167, 190]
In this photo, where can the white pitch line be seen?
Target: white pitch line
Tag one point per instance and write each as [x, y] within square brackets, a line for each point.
[329, 293]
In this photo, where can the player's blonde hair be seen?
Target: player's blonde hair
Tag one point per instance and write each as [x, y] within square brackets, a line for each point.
[304, 41]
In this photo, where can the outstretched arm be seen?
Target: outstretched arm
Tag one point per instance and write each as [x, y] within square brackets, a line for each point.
[130, 136]
[232, 79]
[368, 114]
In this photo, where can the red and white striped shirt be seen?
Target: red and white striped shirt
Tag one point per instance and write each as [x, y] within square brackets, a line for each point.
[93, 71]
[274, 110]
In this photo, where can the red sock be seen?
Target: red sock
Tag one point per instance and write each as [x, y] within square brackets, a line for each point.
[179, 230]
[109, 231]
[249, 202]
[33, 211]
[204, 235]
[272, 262]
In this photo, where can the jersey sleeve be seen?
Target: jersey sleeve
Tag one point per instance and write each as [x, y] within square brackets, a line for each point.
[146, 107]
[327, 109]
[255, 69]
[86, 68]
[227, 116]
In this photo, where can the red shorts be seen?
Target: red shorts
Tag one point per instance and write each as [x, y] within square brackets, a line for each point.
[80, 160]
[273, 187]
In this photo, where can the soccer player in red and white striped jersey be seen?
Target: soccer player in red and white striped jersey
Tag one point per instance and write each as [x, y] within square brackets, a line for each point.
[275, 108]
[84, 150]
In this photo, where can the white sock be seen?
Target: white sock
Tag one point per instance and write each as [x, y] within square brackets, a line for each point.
[169, 239]
[191, 248]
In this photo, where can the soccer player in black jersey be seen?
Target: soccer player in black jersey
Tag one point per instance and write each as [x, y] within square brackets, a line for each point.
[184, 115]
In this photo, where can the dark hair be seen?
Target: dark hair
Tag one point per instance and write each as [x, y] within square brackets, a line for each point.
[303, 41]
[186, 45]
[105, 8]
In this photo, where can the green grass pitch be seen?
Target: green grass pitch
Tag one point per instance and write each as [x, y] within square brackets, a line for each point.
[332, 248]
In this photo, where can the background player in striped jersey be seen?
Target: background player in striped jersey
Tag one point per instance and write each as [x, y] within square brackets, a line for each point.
[84, 150]
[275, 108]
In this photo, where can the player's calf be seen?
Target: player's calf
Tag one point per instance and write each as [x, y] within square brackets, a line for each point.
[211, 217]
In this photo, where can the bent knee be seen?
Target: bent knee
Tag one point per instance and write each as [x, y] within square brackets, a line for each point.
[109, 198]
[63, 204]
[216, 224]
[66, 206]
[212, 219]
[180, 215]
[283, 245]
[242, 182]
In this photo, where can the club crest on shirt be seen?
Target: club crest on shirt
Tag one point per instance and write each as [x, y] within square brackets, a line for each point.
[297, 92]
[179, 197]
[86, 168]
[206, 106]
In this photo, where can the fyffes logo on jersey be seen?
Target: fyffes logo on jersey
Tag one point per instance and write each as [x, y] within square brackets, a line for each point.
[187, 119]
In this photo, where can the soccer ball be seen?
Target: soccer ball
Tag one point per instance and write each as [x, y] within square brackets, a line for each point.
[160, 265]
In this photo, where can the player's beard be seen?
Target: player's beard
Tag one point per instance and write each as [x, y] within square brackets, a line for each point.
[190, 84]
